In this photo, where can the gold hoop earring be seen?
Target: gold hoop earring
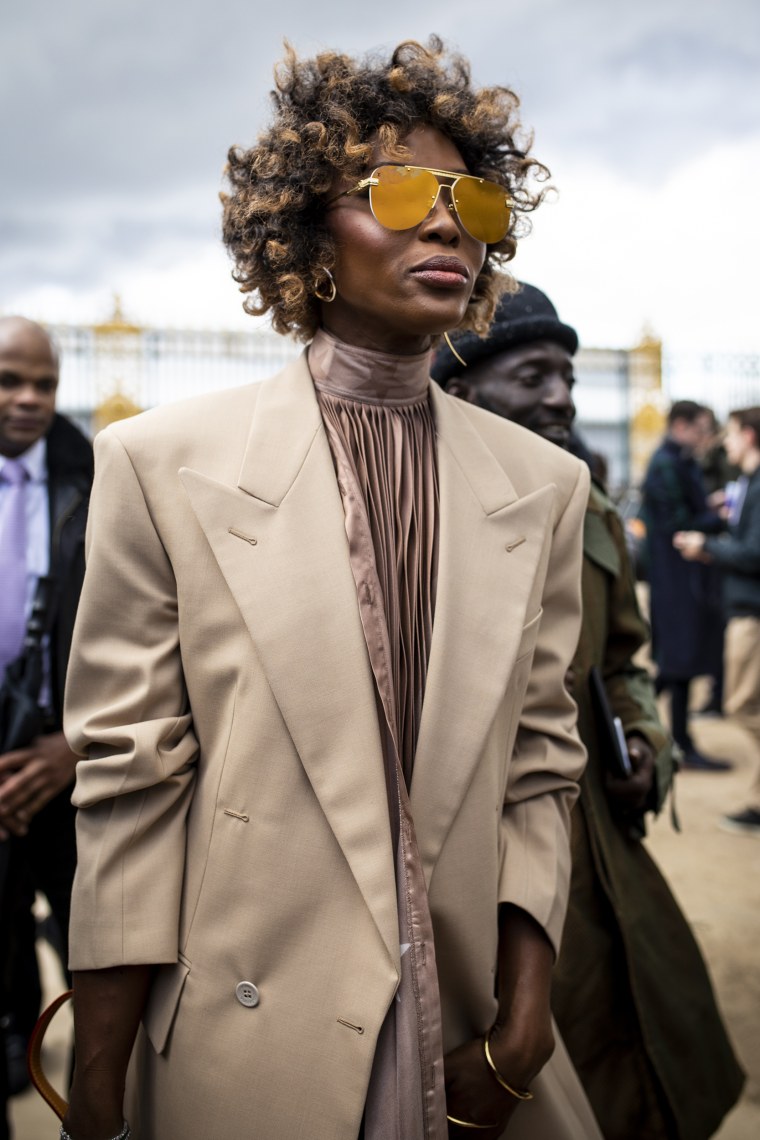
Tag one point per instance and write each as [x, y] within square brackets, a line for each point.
[333, 291]
[447, 338]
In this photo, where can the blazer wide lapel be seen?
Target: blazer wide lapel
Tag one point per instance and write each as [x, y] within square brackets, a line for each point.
[491, 545]
[279, 539]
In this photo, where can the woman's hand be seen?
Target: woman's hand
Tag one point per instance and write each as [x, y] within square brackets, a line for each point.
[474, 1095]
[521, 1041]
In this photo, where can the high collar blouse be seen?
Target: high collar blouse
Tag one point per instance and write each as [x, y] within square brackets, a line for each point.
[379, 422]
[379, 419]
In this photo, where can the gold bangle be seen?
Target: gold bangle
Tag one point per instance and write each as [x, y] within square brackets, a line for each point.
[521, 1094]
[468, 1123]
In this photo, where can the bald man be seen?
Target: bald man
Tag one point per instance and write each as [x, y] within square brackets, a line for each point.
[45, 477]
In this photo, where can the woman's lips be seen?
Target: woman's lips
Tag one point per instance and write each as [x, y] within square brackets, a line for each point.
[442, 272]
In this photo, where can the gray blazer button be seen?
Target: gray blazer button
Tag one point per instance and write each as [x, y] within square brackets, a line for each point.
[247, 994]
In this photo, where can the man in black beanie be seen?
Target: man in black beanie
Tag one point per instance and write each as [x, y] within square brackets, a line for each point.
[523, 369]
[631, 994]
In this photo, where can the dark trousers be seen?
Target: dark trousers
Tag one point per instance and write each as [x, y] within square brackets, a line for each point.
[44, 860]
[679, 709]
[4, 852]
[4, 1132]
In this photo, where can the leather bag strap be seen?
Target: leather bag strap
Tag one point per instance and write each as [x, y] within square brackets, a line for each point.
[34, 1057]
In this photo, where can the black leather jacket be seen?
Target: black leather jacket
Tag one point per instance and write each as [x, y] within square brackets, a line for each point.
[70, 472]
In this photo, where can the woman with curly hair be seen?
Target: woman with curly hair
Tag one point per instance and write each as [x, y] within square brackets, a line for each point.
[318, 674]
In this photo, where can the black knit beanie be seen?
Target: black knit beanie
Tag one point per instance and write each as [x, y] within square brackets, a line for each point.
[520, 317]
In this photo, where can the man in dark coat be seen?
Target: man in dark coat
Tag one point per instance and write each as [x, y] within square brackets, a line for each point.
[687, 622]
[631, 995]
[46, 468]
[737, 554]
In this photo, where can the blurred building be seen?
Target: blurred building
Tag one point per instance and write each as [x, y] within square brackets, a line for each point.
[116, 368]
[613, 390]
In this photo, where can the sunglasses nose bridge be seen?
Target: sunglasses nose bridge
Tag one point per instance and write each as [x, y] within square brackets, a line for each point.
[451, 204]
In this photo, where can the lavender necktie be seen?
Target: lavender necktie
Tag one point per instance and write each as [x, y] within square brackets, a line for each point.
[13, 562]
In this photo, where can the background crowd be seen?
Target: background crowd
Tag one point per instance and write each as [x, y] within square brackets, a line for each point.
[649, 994]
[148, 687]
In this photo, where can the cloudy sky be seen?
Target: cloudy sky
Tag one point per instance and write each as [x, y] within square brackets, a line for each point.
[117, 118]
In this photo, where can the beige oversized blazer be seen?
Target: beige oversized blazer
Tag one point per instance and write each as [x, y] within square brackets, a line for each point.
[233, 822]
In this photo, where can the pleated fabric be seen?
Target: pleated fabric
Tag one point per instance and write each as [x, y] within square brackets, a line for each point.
[379, 421]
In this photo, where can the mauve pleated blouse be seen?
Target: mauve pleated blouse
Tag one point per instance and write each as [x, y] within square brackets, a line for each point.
[379, 421]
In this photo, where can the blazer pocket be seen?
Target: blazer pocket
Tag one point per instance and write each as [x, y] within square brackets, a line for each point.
[529, 637]
[165, 993]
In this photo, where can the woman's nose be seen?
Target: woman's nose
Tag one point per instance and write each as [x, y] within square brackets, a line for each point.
[442, 224]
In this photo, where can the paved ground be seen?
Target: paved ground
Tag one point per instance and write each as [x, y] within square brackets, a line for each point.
[715, 876]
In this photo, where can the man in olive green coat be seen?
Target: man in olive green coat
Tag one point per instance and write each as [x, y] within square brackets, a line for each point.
[632, 997]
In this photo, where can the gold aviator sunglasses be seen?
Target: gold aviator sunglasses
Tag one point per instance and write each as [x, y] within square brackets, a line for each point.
[401, 197]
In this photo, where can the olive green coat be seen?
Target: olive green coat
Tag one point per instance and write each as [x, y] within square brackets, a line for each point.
[632, 996]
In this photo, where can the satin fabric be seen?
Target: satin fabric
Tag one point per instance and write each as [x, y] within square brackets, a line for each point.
[379, 422]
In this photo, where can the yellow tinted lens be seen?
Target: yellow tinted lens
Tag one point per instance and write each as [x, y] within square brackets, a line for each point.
[483, 209]
[402, 197]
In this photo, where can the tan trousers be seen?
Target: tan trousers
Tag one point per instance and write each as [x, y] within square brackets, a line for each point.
[742, 685]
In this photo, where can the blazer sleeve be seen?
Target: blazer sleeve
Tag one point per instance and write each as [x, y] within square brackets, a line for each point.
[127, 717]
[548, 757]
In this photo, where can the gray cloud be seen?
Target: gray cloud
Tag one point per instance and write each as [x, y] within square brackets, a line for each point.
[119, 116]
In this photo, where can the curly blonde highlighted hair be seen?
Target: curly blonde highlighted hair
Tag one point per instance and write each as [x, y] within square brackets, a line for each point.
[330, 112]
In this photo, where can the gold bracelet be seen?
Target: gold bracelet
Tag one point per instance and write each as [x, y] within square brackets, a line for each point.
[521, 1094]
[468, 1123]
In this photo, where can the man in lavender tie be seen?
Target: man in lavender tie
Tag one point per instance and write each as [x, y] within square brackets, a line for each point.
[45, 478]
[13, 537]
